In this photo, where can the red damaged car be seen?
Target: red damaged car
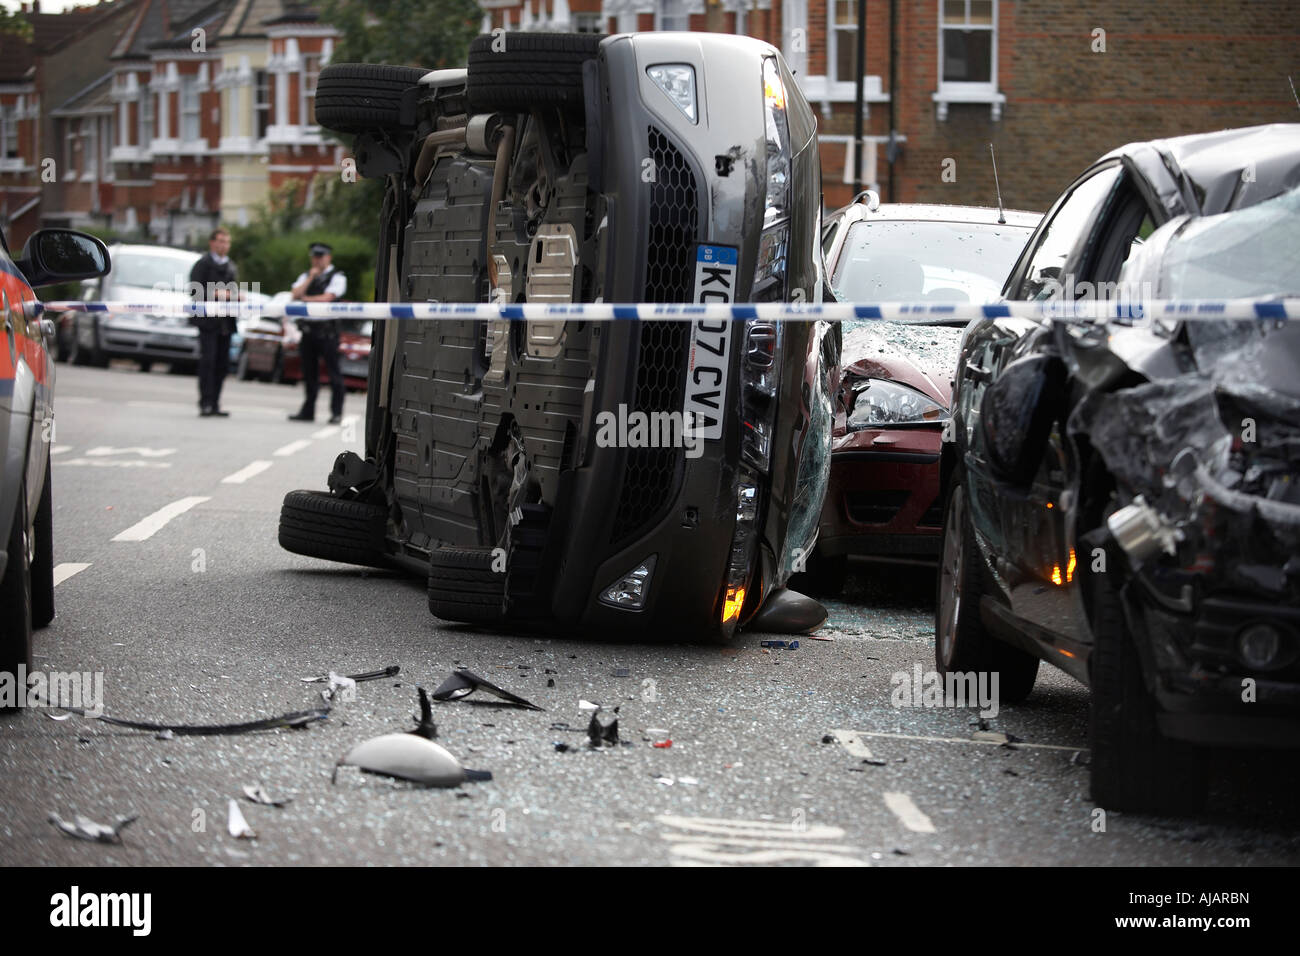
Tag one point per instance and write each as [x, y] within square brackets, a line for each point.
[882, 502]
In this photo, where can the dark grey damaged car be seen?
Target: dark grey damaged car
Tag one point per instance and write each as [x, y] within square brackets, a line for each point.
[1123, 497]
[566, 168]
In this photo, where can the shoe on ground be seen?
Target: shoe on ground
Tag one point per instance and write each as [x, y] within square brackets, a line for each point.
[336, 420]
[205, 413]
[220, 413]
[300, 417]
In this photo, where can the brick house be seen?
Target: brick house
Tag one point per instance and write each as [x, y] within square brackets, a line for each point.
[167, 116]
[1035, 78]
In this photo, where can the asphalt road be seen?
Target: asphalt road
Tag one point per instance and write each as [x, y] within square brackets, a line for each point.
[777, 756]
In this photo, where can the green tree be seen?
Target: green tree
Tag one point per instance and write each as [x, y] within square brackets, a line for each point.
[12, 21]
[426, 33]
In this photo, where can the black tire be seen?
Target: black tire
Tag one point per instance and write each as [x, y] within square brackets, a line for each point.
[1134, 767]
[527, 70]
[43, 562]
[16, 600]
[242, 371]
[318, 525]
[276, 377]
[824, 576]
[355, 97]
[61, 347]
[464, 587]
[97, 358]
[961, 642]
[146, 365]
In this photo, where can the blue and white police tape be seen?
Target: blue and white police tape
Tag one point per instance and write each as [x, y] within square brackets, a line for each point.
[912, 312]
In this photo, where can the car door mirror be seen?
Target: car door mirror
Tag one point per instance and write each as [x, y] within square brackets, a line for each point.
[1017, 413]
[62, 255]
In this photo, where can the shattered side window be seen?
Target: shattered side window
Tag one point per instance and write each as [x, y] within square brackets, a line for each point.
[1241, 254]
[1045, 278]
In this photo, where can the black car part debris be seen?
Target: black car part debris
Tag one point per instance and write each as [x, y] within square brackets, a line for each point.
[464, 682]
[299, 718]
[598, 733]
[425, 727]
[788, 612]
[257, 794]
[84, 828]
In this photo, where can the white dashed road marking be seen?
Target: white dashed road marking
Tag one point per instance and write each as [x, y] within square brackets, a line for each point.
[64, 571]
[718, 842]
[60, 449]
[851, 742]
[292, 447]
[327, 432]
[147, 527]
[249, 471]
[908, 812]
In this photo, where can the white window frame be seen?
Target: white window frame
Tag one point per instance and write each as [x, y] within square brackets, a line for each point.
[9, 133]
[678, 18]
[145, 117]
[191, 113]
[962, 91]
[833, 41]
[588, 23]
[262, 108]
[307, 80]
[794, 16]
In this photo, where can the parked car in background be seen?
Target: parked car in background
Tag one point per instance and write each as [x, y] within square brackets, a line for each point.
[579, 168]
[26, 422]
[261, 349]
[1121, 495]
[141, 274]
[247, 321]
[883, 502]
[354, 353]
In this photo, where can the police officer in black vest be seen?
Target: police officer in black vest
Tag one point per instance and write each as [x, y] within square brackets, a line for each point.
[320, 338]
[213, 280]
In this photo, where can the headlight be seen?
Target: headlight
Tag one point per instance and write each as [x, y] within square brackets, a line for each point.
[879, 402]
[677, 80]
[770, 270]
[778, 145]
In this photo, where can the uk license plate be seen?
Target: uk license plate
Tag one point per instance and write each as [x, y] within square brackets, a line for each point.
[706, 377]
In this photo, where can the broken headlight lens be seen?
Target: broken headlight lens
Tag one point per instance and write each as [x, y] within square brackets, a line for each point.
[631, 590]
[677, 80]
[879, 402]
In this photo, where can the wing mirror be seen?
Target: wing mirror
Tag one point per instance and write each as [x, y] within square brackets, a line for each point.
[1017, 412]
[62, 255]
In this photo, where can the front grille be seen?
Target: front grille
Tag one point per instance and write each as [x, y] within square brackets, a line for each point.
[651, 473]
[875, 507]
[674, 210]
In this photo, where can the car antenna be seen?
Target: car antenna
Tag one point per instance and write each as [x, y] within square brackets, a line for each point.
[1002, 217]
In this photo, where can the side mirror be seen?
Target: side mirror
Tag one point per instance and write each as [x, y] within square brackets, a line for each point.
[1017, 412]
[62, 255]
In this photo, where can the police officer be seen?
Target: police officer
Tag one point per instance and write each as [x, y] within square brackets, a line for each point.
[320, 339]
[213, 279]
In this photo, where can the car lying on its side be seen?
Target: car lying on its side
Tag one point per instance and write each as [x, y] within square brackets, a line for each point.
[26, 432]
[140, 274]
[883, 499]
[637, 477]
[1121, 494]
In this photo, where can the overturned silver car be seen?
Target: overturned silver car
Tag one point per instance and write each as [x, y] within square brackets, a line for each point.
[640, 477]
